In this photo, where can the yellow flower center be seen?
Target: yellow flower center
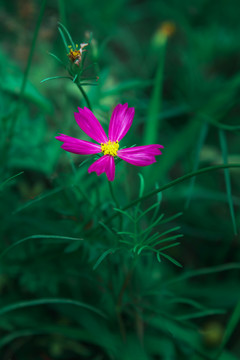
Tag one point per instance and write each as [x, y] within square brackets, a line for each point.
[74, 54]
[110, 148]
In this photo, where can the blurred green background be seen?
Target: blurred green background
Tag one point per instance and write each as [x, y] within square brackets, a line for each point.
[177, 64]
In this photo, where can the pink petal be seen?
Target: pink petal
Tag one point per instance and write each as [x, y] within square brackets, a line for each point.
[77, 146]
[90, 125]
[140, 155]
[104, 164]
[120, 122]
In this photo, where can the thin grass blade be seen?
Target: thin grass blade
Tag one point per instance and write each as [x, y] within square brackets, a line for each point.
[56, 237]
[200, 143]
[57, 301]
[223, 144]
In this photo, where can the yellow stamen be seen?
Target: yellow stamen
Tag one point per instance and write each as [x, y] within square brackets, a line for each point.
[110, 148]
[74, 54]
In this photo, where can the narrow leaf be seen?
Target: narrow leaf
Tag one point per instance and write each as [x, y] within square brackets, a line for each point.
[223, 145]
[68, 34]
[170, 238]
[55, 77]
[58, 59]
[66, 238]
[201, 140]
[102, 257]
[9, 179]
[200, 314]
[124, 213]
[64, 40]
[206, 271]
[175, 262]
[231, 326]
[30, 303]
[39, 198]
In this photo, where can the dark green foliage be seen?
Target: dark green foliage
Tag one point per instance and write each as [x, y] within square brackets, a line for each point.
[92, 272]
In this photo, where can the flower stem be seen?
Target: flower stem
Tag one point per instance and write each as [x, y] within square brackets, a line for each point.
[85, 96]
[113, 195]
[115, 200]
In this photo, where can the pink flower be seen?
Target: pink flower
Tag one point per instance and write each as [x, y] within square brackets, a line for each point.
[120, 123]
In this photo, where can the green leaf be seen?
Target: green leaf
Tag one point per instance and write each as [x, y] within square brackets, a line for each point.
[205, 271]
[57, 58]
[64, 40]
[152, 126]
[169, 246]
[151, 226]
[9, 179]
[175, 182]
[187, 301]
[200, 314]
[68, 34]
[171, 218]
[57, 237]
[55, 77]
[103, 256]
[223, 144]
[170, 238]
[30, 303]
[231, 326]
[17, 334]
[124, 213]
[146, 211]
[39, 198]
[200, 142]
[175, 262]
[129, 233]
[179, 180]
[141, 185]
[169, 231]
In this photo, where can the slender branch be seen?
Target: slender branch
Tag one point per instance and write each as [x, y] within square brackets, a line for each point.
[84, 95]
[175, 182]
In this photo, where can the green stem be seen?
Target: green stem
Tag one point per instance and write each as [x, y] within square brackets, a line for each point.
[153, 123]
[181, 179]
[35, 35]
[85, 96]
[62, 12]
[230, 328]
[175, 182]
[113, 195]
[26, 73]
[115, 200]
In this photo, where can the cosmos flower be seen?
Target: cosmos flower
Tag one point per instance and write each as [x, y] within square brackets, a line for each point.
[120, 123]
